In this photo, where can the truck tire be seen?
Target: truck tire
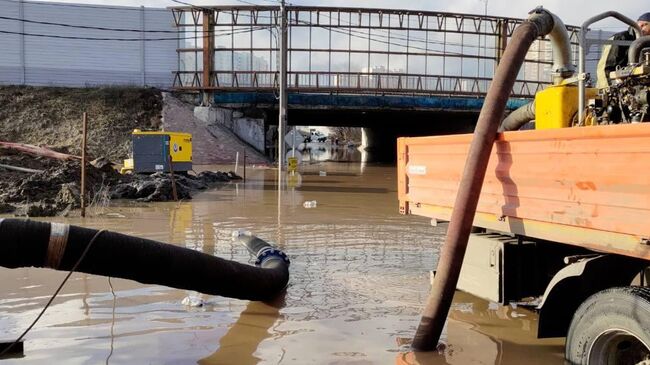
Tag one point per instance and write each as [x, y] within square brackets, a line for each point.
[611, 327]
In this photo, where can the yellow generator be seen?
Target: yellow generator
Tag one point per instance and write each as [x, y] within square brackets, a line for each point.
[153, 152]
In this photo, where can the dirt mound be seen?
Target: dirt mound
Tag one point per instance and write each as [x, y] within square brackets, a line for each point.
[49, 116]
[55, 190]
[52, 116]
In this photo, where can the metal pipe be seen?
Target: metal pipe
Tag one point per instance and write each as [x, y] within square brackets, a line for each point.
[562, 66]
[282, 121]
[20, 169]
[582, 44]
[433, 319]
[635, 49]
[267, 255]
[58, 246]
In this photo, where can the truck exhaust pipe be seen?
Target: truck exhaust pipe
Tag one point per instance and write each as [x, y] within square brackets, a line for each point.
[27, 243]
[539, 23]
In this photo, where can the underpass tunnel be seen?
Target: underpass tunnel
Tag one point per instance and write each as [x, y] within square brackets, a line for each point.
[381, 128]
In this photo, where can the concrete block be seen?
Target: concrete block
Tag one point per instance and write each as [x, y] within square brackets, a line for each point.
[205, 114]
[225, 117]
[250, 130]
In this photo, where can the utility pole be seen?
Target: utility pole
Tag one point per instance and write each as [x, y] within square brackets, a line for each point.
[484, 48]
[84, 134]
[282, 121]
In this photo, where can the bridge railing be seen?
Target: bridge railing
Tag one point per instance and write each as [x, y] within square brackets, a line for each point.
[351, 50]
[351, 82]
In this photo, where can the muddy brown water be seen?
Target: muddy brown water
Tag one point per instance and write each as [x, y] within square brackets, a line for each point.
[359, 279]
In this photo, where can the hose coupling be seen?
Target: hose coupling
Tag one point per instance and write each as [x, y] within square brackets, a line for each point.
[269, 253]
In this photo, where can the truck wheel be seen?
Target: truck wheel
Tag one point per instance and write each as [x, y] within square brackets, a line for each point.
[611, 327]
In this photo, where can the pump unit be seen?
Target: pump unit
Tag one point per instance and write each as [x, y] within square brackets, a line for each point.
[153, 152]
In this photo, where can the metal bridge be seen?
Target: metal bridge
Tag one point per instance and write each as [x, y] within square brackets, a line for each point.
[374, 52]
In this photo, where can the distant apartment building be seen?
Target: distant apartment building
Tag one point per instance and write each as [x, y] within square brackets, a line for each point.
[542, 51]
[224, 60]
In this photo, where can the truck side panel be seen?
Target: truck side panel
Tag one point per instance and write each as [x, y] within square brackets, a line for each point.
[584, 186]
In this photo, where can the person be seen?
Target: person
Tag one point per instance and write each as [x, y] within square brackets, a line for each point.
[615, 55]
[272, 142]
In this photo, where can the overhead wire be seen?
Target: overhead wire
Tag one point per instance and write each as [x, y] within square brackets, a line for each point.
[386, 39]
[56, 36]
[139, 39]
[86, 26]
[357, 34]
[87, 6]
[412, 39]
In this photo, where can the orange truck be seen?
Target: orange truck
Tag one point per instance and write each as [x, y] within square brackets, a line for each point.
[563, 217]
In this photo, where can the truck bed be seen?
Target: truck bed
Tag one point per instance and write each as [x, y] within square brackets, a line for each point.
[587, 186]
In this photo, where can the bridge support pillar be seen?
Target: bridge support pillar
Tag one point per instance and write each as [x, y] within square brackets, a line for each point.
[208, 53]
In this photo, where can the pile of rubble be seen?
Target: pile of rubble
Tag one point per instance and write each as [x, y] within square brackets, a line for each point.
[51, 187]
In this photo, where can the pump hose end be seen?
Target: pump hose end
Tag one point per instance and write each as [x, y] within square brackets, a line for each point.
[270, 253]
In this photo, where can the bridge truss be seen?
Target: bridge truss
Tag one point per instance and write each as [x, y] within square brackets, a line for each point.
[351, 50]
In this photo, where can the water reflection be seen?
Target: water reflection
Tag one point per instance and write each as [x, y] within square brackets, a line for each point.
[255, 324]
[322, 152]
[501, 334]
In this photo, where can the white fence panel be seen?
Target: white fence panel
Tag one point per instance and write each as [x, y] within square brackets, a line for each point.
[58, 55]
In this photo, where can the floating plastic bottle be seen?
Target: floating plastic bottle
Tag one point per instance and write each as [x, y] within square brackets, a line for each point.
[309, 204]
[192, 301]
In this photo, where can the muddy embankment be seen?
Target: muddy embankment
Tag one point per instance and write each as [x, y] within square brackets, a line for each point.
[52, 117]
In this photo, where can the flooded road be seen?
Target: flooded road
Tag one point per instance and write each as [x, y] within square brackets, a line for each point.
[359, 280]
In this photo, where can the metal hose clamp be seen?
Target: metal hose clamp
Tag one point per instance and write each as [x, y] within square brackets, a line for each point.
[57, 244]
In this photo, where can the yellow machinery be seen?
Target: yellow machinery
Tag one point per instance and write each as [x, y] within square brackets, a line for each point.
[154, 151]
[557, 106]
[625, 100]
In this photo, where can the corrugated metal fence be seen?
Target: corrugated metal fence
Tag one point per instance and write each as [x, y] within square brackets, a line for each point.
[66, 44]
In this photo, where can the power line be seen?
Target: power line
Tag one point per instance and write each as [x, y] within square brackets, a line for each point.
[415, 39]
[249, 3]
[98, 28]
[124, 39]
[350, 32]
[87, 26]
[188, 4]
[224, 11]
[362, 34]
[365, 37]
[87, 6]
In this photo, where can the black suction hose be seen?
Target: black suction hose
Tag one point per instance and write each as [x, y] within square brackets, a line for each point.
[451, 257]
[25, 243]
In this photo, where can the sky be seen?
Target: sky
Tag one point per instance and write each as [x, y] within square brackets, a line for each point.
[572, 12]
